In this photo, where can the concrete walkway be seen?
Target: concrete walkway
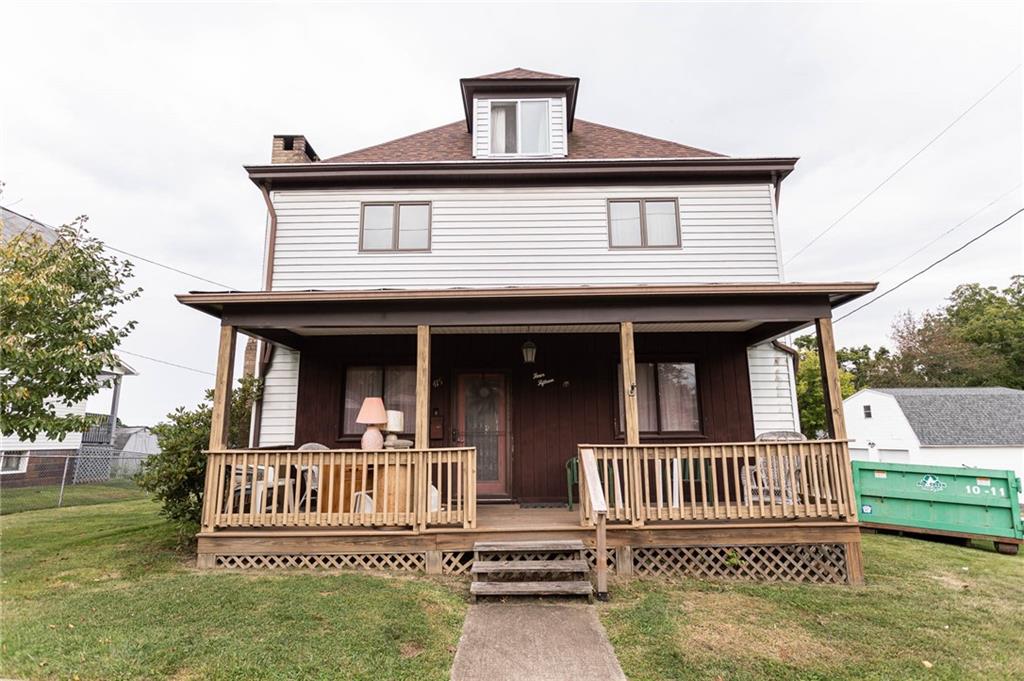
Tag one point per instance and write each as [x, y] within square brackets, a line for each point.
[534, 642]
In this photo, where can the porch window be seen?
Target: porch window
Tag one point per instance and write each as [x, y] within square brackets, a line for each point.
[396, 385]
[643, 223]
[13, 462]
[520, 127]
[395, 227]
[666, 397]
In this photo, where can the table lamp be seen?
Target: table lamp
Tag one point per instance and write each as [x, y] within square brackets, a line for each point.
[373, 416]
[396, 425]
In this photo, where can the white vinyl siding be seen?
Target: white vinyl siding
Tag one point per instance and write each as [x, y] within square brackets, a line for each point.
[482, 125]
[492, 237]
[772, 389]
[280, 396]
[71, 441]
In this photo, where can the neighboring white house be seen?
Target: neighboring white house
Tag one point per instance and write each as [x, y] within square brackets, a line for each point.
[971, 427]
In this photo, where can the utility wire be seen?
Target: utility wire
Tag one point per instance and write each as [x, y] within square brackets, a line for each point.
[951, 229]
[945, 257]
[896, 172]
[163, 361]
[168, 267]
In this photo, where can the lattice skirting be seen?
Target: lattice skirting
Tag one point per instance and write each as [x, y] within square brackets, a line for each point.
[368, 561]
[819, 563]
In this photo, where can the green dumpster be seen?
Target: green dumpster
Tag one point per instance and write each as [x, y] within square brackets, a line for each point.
[957, 502]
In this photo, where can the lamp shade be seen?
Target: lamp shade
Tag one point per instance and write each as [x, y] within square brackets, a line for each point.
[396, 421]
[372, 411]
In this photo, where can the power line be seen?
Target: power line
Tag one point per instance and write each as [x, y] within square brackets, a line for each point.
[903, 165]
[168, 267]
[951, 229]
[163, 361]
[945, 257]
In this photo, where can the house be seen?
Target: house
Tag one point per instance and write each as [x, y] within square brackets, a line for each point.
[531, 291]
[970, 427]
[45, 460]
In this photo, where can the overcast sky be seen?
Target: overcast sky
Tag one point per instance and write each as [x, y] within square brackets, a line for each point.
[141, 116]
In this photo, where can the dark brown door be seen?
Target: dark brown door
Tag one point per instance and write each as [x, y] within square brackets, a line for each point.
[481, 422]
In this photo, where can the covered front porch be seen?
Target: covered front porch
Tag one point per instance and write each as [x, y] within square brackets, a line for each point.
[644, 392]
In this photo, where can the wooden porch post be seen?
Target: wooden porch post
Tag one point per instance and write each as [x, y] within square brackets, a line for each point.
[219, 426]
[632, 412]
[422, 439]
[632, 425]
[831, 390]
[422, 387]
[222, 389]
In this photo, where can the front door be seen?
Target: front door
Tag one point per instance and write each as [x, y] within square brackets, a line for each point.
[480, 421]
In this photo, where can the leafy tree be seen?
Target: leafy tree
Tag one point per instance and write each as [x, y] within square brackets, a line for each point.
[809, 393]
[993, 321]
[930, 353]
[176, 475]
[975, 340]
[57, 301]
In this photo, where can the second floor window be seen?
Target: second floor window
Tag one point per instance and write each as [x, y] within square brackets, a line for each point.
[395, 227]
[520, 127]
[643, 223]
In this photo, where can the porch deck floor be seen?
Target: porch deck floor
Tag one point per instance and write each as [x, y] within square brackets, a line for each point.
[499, 517]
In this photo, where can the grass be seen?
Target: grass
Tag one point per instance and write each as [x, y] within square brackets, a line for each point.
[100, 592]
[928, 611]
[22, 499]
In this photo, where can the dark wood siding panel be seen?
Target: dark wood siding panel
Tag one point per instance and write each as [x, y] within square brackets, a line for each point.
[545, 423]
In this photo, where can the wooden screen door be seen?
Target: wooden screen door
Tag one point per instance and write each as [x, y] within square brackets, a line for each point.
[480, 422]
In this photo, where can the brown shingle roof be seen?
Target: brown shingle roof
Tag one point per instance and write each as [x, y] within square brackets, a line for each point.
[519, 73]
[587, 141]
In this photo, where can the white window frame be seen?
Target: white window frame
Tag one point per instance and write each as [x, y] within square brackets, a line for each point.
[519, 128]
[22, 465]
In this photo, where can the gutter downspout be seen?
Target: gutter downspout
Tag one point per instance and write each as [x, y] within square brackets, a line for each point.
[268, 265]
[266, 350]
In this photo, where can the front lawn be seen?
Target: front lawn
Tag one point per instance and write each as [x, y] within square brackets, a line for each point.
[36, 498]
[99, 592]
[929, 611]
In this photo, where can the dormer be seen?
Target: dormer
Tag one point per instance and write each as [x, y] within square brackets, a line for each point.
[520, 114]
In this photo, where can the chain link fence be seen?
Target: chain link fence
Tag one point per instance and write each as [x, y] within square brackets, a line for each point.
[96, 474]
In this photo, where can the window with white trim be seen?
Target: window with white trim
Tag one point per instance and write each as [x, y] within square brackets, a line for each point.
[521, 127]
[667, 399]
[13, 462]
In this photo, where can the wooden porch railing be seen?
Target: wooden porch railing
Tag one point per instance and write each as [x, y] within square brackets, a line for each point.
[340, 488]
[751, 480]
[590, 480]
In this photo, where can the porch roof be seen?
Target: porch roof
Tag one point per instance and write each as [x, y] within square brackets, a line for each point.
[759, 310]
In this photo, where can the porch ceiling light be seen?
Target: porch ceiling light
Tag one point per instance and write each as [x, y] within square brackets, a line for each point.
[529, 352]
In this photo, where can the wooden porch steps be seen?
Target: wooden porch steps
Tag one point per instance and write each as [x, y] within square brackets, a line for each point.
[571, 588]
[567, 566]
[530, 568]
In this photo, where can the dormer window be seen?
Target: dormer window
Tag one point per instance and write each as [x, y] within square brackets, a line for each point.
[520, 127]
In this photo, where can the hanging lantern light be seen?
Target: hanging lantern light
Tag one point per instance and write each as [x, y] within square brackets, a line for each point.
[529, 352]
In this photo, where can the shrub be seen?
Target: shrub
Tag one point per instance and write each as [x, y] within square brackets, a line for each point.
[175, 476]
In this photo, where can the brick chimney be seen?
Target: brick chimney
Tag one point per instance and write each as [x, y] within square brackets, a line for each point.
[292, 149]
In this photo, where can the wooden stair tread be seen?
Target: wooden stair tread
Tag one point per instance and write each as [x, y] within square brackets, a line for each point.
[509, 546]
[580, 588]
[484, 566]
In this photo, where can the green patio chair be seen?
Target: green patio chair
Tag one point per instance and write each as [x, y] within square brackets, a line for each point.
[572, 476]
